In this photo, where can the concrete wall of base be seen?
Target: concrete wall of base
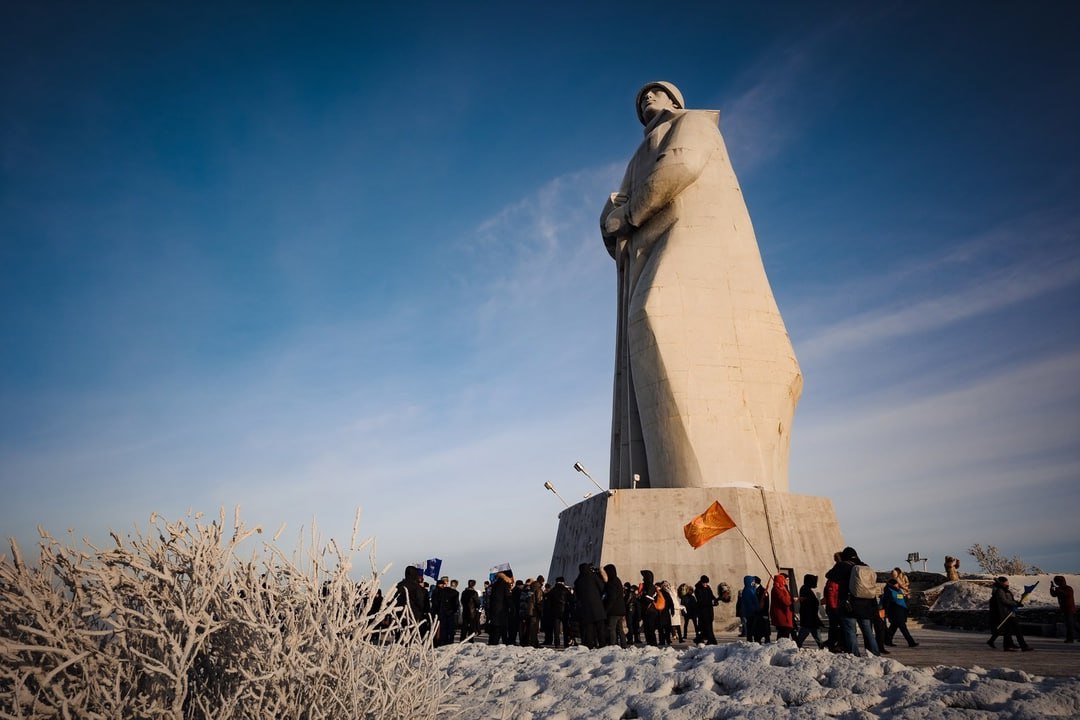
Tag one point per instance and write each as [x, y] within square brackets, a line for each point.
[643, 529]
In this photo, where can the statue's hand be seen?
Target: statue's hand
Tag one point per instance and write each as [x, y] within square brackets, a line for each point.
[615, 223]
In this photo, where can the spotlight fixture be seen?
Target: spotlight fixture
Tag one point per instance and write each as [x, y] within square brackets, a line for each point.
[581, 469]
[551, 487]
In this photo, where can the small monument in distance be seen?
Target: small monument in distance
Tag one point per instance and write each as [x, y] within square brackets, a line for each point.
[706, 380]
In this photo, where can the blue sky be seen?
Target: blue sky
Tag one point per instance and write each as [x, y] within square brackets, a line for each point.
[305, 259]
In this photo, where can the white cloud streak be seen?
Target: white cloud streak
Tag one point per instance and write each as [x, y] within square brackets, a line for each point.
[954, 462]
[962, 300]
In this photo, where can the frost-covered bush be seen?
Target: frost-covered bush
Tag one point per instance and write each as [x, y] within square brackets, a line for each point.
[175, 624]
[993, 562]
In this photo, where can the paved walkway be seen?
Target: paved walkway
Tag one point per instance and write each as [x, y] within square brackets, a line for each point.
[1051, 657]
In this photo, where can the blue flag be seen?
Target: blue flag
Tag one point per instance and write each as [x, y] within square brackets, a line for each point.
[432, 568]
[502, 568]
[1028, 589]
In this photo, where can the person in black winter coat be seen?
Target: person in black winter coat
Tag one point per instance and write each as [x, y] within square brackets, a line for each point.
[1066, 598]
[409, 595]
[633, 612]
[556, 603]
[529, 613]
[650, 616]
[589, 600]
[688, 604]
[614, 606]
[445, 605]
[470, 611]
[809, 620]
[854, 612]
[704, 602]
[1003, 617]
[665, 614]
[515, 619]
[498, 609]
[762, 629]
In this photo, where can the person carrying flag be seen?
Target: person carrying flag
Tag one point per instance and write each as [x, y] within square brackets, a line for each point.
[1003, 617]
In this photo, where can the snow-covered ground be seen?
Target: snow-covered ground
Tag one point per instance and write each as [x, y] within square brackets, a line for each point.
[746, 680]
[739, 680]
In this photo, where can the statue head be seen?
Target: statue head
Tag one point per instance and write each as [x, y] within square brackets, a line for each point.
[667, 88]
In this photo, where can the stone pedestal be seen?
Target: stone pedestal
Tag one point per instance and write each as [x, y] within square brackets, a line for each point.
[643, 529]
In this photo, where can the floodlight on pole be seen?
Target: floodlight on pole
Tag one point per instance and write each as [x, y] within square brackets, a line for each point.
[551, 487]
[581, 469]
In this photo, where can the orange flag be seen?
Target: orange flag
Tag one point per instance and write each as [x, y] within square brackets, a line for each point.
[708, 525]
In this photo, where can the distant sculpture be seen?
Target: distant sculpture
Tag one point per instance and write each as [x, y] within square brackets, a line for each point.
[706, 379]
[952, 568]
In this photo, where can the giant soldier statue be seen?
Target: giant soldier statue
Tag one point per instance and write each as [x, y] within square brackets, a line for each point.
[706, 379]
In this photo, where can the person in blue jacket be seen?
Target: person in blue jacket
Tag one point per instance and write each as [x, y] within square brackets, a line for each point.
[894, 601]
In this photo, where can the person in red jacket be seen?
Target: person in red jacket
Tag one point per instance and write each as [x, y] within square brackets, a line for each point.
[782, 610]
[1067, 602]
[831, 598]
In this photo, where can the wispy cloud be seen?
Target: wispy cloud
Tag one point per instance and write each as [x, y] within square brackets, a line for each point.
[947, 469]
[891, 427]
[772, 106]
[1007, 267]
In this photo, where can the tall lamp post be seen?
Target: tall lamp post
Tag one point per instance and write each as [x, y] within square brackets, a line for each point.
[551, 487]
[581, 469]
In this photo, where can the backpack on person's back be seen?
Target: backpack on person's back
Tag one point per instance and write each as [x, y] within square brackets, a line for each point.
[832, 595]
[527, 603]
[863, 582]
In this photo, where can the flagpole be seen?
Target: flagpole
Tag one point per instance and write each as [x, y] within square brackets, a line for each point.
[755, 550]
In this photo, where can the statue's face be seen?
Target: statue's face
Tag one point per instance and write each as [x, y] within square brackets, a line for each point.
[653, 101]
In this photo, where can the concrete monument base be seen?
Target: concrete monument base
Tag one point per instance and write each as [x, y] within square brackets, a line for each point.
[643, 529]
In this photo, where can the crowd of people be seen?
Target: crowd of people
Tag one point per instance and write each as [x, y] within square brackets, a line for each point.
[599, 609]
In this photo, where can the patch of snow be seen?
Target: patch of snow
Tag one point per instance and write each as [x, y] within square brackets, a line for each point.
[737, 680]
